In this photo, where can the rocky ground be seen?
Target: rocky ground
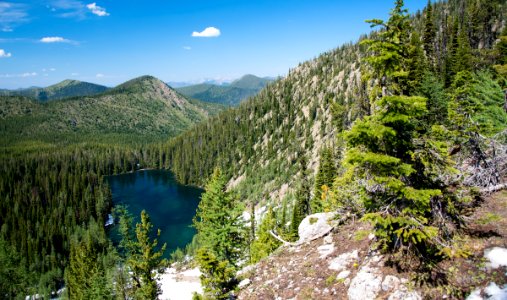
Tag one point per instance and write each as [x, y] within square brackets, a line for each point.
[343, 265]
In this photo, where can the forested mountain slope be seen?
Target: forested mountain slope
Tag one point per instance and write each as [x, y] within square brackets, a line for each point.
[230, 95]
[258, 143]
[65, 89]
[142, 109]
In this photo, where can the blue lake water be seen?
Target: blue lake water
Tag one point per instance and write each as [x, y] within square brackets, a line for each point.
[171, 206]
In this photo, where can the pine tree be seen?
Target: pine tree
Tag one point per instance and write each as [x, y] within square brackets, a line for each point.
[429, 34]
[302, 203]
[146, 260]
[388, 52]
[219, 222]
[86, 276]
[416, 64]
[222, 235]
[218, 277]
[143, 257]
[448, 71]
[265, 243]
[463, 59]
[396, 165]
[324, 178]
[501, 52]
[433, 90]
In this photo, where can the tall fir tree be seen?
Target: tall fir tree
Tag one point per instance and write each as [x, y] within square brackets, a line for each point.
[388, 53]
[396, 164]
[143, 256]
[323, 179]
[429, 35]
[463, 59]
[219, 222]
[86, 276]
[222, 234]
[501, 61]
[302, 203]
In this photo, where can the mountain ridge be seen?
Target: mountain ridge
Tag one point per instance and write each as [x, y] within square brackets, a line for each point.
[230, 94]
[65, 89]
[144, 107]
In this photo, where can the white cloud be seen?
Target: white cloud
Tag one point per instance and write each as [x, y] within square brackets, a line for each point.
[4, 54]
[208, 32]
[100, 75]
[28, 74]
[74, 74]
[97, 10]
[52, 69]
[187, 48]
[53, 39]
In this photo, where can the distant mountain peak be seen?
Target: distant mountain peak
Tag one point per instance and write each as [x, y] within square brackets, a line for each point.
[64, 89]
[250, 81]
[142, 83]
[231, 94]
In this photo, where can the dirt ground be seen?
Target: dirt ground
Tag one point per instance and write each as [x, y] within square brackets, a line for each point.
[301, 272]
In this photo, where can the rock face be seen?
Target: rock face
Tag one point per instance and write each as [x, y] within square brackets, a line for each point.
[367, 282]
[315, 226]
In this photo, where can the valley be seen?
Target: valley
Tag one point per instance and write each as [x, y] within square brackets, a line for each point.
[374, 170]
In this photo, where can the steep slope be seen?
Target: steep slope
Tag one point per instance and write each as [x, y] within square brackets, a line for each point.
[258, 143]
[231, 95]
[142, 109]
[344, 264]
[65, 89]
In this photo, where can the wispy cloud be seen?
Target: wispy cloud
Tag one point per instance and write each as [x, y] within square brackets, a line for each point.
[68, 8]
[76, 9]
[97, 10]
[187, 48]
[3, 53]
[11, 15]
[27, 74]
[53, 39]
[208, 32]
[56, 39]
[100, 75]
[74, 74]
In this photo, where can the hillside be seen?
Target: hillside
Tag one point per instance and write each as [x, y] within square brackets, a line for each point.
[141, 109]
[230, 95]
[258, 143]
[65, 89]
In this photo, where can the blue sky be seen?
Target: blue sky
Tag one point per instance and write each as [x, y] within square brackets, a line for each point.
[109, 42]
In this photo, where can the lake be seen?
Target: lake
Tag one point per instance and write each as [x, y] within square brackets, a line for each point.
[171, 206]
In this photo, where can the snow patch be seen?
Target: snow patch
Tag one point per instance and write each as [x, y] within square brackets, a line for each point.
[492, 292]
[180, 285]
[497, 257]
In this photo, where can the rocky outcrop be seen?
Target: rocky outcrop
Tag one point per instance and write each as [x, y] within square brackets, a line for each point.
[316, 226]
